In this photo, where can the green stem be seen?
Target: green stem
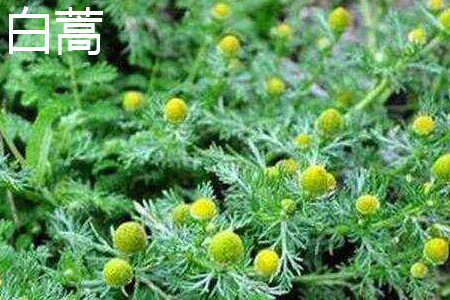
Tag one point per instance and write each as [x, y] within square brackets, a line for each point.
[155, 288]
[10, 143]
[328, 278]
[370, 19]
[73, 80]
[373, 94]
[195, 67]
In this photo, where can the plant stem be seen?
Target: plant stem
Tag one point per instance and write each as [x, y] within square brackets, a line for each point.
[10, 143]
[328, 278]
[369, 18]
[155, 288]
[73, 80]
[194, 69]
[12, 204]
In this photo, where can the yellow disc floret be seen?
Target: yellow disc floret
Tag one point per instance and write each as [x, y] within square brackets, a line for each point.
[266, 262]
[314, 180]
[435, 5]
[423, 125]
[175, 110]
[130, 238]
[367, 205]
[226, 247]
[339, 19]
[419, 270]
[283, 31]
[288, 166]
[345, 98]
[417, 37]
[133, 101]
[180, 214]
[441, 167]
[302, 141]
[203, 209]
[229, 45]
[221, 11]
[330, 122]
[275, 87]
[444, 19]
[117, 272]
[436, 250]
[288, 205]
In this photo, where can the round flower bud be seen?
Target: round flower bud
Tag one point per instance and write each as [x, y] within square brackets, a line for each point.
[417, 37]
[130, 238]
[314, 180]
[436, 250]
[221, 11]
[226, 247]
[423, 125]
[176, 110]
[331, 181]
[330, 122]
[367, 205]
[229, 45]
[342, 229]
[283, 31]
[302, 141]
[345, 98]
[324, 44]
[444, 19]
[419, 270]
[435, 5]
[133, 101]
[441, 167]
[117, 272]
[203, 209]
[272, 173]
[339, 19]
[266, 262]
[288, 166]
[275, 87]
[288, 206]
[180, 214]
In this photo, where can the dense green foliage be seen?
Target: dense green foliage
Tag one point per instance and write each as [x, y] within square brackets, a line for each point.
[286, 112]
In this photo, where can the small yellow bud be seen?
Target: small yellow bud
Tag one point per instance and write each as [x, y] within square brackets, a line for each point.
[436, 250]
[441, 168]
[302, 141]
[444, 19]
[436, 5]
[272, 173]
[275, 87]
[324, 44]
[331, 181]
[284, 31]
[180, 214]
[288, 166]
[423, 125]
[229, 45]
[339, 19]
[266, 262]
[133, 101]
[203, 209]
[117, 272]
[288, 206]
[221, 11]
[427, 187]
[367, 205]
[226, 247]
[345, 98]
[419, 270]
[417, 37]
[130, 237]
[330, 122]
[314, 180]
[176, 110]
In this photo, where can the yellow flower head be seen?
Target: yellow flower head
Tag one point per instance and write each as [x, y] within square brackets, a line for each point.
[367, 205]
[176, 110]
[444, 19]
[266, 262]
[331, 181]
[203, 209]
[436, 250]
[130, 237]
[180, 214]
[288, 205]
[288, 166]
[314, 180]
[283, 31]
[275, 87]
[419, 270]
[303, 141]
[117, 272]
[436, 5]
[330, 122]
[345, 98]
[226, 247]
[221, 11]
[133, 101]
[441, 167]
[423, 125]
[339, 19]
[229, 45]
[417, 37]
